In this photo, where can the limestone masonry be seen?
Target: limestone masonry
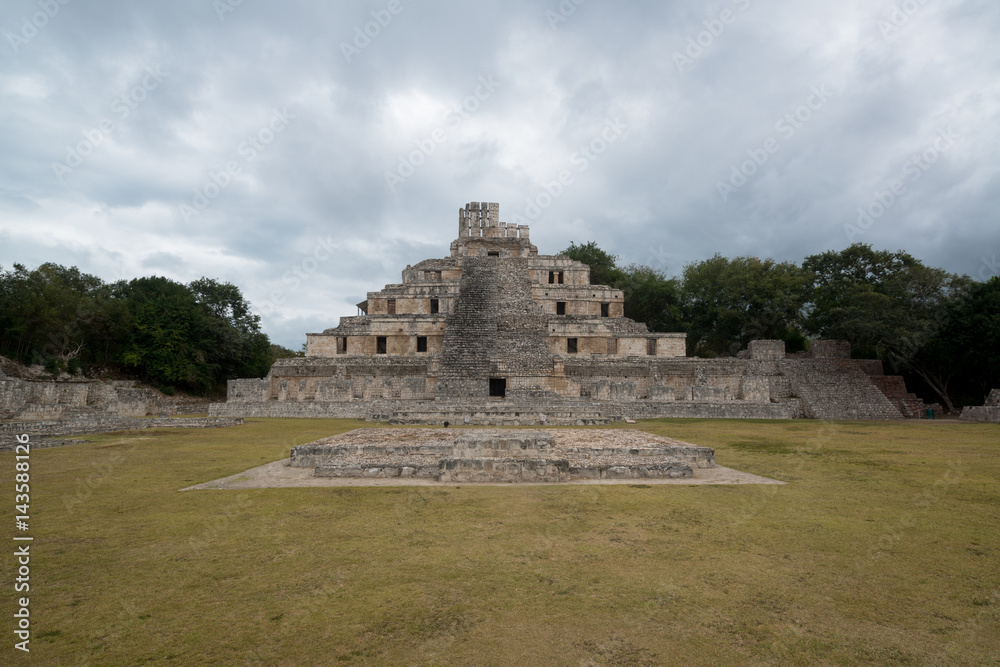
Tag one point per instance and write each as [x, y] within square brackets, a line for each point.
[497, 334]
[50, 409]
[984, 413]
[465, 455]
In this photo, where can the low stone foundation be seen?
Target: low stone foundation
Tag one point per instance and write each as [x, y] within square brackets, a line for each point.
[989, 413]
[491, 456]
[102, 424]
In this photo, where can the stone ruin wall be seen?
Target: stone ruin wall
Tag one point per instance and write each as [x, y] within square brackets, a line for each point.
[989, 413]
[35, 400]
[43, 408]
[764, 384]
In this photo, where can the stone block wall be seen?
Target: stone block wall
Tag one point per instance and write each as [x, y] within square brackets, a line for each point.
[989, 413]
[35, 400]
[830, 349]
[250, 390]
[312, 410]
[98, 423]
[767, 350]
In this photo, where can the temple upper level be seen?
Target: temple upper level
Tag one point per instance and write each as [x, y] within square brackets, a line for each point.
[481, 234]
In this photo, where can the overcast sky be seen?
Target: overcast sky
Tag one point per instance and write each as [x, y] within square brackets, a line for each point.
[308, 151]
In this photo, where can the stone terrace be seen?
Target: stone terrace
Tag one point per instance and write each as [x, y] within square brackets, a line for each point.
[494, 455]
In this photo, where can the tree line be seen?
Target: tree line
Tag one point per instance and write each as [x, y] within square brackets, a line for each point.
[192, 337]
[939, 330]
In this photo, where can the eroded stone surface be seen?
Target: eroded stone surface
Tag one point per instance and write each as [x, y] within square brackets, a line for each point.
[990, 412]
[495, 455]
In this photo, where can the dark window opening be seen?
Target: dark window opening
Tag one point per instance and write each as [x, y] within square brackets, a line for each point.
[651, 346]
[341, 345]
[380, 345]
[390, 306]
[434, 306]
[552, 277]
[571, 345]
[498, 387]
[560, 307]
[421, 343]
[605, 310]
[493, 253]
[560, 277]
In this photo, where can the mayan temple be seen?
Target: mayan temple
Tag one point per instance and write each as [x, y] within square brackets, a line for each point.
[497, 334]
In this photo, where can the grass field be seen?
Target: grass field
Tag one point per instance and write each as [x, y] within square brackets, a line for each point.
[883, 548]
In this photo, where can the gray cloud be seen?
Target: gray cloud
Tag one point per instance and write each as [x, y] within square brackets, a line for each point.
[651, 196]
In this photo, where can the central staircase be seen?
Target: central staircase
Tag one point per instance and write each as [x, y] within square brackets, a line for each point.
[470, 333]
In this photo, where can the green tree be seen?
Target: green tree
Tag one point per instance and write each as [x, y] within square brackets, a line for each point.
[45, 313]
[237, 346]
[652, 298]
[730, 302]
[281, 352]
[886, 304]
[169, 340]
[961, 361]
[603, 267]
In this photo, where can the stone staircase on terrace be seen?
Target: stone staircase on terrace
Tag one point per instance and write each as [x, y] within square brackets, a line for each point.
[911, 405]
[831, 389]
[504, 413]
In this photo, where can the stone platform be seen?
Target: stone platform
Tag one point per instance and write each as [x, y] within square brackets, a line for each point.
[989, 413]
[501, 455]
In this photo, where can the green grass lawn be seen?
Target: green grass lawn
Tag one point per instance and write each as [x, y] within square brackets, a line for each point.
[883, 548]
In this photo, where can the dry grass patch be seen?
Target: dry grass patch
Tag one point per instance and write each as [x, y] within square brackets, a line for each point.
[882, 549]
